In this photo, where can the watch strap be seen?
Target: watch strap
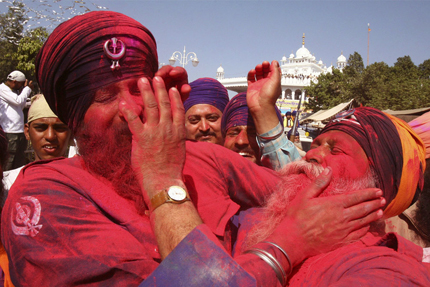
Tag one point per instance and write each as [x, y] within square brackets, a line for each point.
[163, 197]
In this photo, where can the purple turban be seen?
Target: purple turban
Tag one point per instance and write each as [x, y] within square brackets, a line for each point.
[236, 113]
[88, 52]
[207, 91]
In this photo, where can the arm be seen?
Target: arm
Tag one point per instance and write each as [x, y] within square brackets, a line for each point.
[158, 154]
[14, 99]
[278, 152]
[264, 88]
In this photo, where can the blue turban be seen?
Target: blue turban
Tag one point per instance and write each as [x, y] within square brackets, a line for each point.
[236, 113]
[207, 91]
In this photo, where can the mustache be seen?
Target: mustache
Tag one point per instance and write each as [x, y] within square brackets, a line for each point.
[202, 134]
[311, 170]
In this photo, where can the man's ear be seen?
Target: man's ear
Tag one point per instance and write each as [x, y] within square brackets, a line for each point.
[26, 131]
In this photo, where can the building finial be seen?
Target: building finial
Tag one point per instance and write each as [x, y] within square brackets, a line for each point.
[303, 42]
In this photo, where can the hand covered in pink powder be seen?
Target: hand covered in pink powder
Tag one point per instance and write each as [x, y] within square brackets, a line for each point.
[315, 225]
[264, 88]
[158, 140]
[175, 77]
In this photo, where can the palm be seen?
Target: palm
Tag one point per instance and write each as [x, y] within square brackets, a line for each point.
[263, 86]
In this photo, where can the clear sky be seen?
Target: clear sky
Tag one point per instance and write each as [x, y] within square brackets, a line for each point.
[241, 34]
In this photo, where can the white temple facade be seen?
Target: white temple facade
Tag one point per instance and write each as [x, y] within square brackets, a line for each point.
[298, 71]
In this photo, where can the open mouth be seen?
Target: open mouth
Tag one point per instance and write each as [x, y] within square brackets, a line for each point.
[246, 154]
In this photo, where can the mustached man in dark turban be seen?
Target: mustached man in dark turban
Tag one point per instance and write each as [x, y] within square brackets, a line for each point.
[139, 203]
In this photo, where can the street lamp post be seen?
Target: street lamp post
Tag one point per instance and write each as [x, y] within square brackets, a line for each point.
[183, 58]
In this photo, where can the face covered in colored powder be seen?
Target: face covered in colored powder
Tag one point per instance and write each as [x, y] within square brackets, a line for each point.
[203, 123]
[334, 149]
[242, 139]
[49, 137]
[104, 138]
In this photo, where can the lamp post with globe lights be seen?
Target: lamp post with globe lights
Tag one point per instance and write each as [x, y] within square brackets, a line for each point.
[183, 58]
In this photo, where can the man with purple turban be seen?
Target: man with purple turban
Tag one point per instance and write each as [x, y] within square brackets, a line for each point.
[138, 200]
[203, 110]
[240, 135]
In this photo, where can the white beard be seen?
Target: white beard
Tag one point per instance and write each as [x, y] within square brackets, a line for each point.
[296, 177]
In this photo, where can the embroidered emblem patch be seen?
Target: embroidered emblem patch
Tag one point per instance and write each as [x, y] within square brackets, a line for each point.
[25, 217]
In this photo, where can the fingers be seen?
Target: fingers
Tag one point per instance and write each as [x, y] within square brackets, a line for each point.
[162, 97]
[275, 71]
[150, 104]
[363, 209]
[251, 76]
[178, 111]
[175, 77]
[134, 123]
[360, 196]
[319, 184]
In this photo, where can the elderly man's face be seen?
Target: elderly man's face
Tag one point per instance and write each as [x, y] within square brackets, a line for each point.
[203, 123]
[242, 139]
[104, 114]
[341, 152]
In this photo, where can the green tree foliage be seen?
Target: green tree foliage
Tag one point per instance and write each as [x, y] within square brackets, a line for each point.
[18, 48]
[403, 86]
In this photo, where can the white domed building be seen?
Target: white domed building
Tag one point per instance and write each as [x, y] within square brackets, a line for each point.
[298, 71]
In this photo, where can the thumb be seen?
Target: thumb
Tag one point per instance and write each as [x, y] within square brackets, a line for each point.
[319, 184]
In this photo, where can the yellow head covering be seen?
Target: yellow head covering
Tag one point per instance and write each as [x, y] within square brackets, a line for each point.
[39, 109]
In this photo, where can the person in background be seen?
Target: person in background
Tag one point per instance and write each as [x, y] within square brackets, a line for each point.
[13, 98]
[48, 135]
[203, 110]
[297, 142]
[288, 121]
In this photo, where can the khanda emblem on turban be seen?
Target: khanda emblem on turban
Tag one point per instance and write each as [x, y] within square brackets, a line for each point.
[115, 50]
[26, 216]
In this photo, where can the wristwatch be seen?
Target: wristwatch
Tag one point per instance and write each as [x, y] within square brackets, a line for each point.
[173, 194]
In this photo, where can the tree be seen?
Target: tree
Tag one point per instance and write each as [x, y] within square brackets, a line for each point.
[424, 69]
[354, 66]
[28, 48]
[19, 48]
[11, 32]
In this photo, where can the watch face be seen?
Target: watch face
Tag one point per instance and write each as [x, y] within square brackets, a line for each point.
[177, 193]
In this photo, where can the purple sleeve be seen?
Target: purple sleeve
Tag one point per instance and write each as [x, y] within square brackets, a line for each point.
[199, 260]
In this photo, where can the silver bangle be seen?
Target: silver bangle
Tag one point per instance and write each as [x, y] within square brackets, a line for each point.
[283, 252]
[269, 259]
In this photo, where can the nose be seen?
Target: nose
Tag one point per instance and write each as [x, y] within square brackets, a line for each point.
[316, 155]
[204, 125]
[242, 139]
[50, 134]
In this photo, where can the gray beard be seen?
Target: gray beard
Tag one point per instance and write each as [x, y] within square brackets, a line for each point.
[296, 177]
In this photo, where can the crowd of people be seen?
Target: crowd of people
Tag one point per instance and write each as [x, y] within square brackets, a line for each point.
[175, 184]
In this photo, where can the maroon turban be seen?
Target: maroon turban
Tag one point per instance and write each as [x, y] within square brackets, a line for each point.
[86, 53]
[393, 149]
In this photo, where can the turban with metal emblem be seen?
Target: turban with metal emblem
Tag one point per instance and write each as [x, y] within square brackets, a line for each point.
[207, 91]
[236, 113]
[89, 52]
[395, 153]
